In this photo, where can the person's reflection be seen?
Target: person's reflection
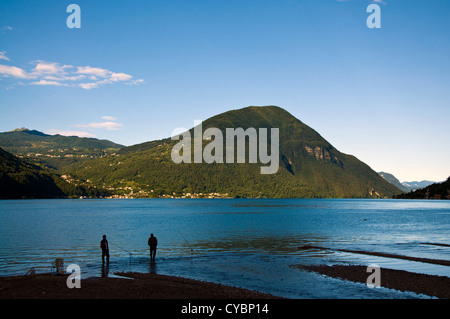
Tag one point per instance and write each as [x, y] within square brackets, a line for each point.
[152, 268]
[105, 270]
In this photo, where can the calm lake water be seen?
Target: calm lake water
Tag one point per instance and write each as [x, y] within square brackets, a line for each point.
[250, 243]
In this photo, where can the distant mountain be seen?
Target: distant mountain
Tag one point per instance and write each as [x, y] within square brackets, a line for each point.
[54, 151]
[404, 186]
[309, 166]
[31, 140]
[433, 191]
[394, 181]
[416, 185]
[19, 179]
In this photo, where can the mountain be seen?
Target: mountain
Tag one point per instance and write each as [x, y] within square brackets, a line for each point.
[394, 181]
[32, 140]
[416, 185]
[54, 151]
[309, 166]
[19, 179]
[433, 191]
[404, 186]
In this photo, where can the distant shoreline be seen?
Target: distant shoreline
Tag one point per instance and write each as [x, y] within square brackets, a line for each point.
[289, 198]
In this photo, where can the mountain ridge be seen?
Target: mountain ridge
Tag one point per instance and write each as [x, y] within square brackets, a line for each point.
[54, 151]
[25, 135]
[417, 184]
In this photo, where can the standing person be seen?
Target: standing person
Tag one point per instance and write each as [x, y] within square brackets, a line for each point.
[105, 250]
[152, 242]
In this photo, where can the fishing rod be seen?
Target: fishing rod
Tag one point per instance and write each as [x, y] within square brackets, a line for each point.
[192, 250]
[126, 251]
[122, 248]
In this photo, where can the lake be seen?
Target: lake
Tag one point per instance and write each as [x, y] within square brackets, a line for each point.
[249, 243]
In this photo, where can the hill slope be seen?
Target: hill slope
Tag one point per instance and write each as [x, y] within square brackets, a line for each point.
[309, 166]
[19, 179]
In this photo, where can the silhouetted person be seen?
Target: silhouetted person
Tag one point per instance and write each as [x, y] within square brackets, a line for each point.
[152, 242]
[105, 250]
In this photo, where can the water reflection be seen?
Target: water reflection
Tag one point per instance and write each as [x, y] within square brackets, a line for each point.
[152, 267]
[280, 245]
[105, 270]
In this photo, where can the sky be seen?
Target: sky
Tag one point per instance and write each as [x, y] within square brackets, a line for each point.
[137, 70]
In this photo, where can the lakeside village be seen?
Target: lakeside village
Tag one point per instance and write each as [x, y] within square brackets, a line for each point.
[132, 192]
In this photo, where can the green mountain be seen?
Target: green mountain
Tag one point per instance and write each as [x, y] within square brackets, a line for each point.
[54, 151]
[309, 166]
[19, 179]
[433, 191]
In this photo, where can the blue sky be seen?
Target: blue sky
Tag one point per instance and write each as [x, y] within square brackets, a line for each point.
[136, 70]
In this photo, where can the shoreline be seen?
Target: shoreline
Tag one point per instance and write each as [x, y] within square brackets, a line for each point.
[430, 285]
[124, 286]
[441, 262]
[219, 197]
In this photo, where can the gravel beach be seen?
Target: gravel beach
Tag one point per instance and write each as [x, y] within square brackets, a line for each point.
[127, 286]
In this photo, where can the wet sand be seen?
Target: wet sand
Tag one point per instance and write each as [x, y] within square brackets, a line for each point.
[436, 286]
[371, 253]
[141, 286]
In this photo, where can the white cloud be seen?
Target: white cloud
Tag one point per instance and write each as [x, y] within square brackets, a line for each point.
[6, 28]
[69, 133]
[88, 86]
[135, 82]
[57, 74]
[109, 118]
[46, 82]
[93, 71]
[43, 67]
[3, 56]
[64, 78]
[120, 77]
[109, 77]
[13, 71]
[110, 123]
[110, 126]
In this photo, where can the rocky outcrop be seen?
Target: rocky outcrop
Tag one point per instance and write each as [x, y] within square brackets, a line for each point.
[321, 153]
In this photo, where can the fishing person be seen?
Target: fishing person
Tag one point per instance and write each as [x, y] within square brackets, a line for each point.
[152, 242]
[105, 250]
